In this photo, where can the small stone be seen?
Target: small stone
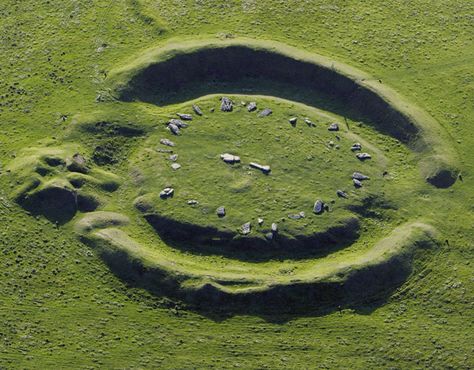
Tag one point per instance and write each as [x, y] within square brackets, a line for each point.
[220, 211]
[260, 221]
[230, 158]
[192, 202]
[167, 142]
[197, 110]
[178, 123]
[226, 104]
[166, 193]
[274, 228]
[318, 207]
[252, 106]
[293, 120]
[356, 146]
[357, 183]
[297, 216]
[333, 127]
[185, 116]
[173, 157]
[265, 169]
[331, 143]
[359, 176]
[173, 128]
[212, 110]
[265, 113]
[363, 156]
[342, 194]
[246, 228]
[175, 166]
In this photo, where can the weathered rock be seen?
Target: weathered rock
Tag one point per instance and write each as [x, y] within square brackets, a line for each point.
[178, 123]
[293, 120]
[342, 194]
[265, 113]
[260, 221]
[226, 104]
[77, 164]
[167, 142]
[197, 110]
[363, 156]
[192, 202]
[274, 228]
[175, 166]
[166, 193]
[230, 158]
[173, 128]
[185, 116]
[252, 106]
[357, 183]
[318, 207]
[173, 157]
[220, 211]
[264, 169]
[356, 146]
[333, 127]
[246, 228]
[359, 176]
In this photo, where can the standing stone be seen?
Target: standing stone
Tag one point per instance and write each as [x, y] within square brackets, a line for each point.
[274, 228]
[265, 113]
[173, 128]
[167, 142]
[246, 228]
[342, 194]
[197, 110]
[363, 156]
[173, 157]
[293, 121]
[357, 183]
[260, 221]
[220, 211]
[226, 104]
[318, 207]
[265, 169]
[252, 106]
[175, 166]
[309, 122]
[185, 116]
[356, 146]
[166, 193]
[359, 176]
[333, 127]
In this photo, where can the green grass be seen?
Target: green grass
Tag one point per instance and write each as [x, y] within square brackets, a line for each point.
[61, 307]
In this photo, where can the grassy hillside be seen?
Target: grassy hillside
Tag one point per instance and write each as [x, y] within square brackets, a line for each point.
[62, 307]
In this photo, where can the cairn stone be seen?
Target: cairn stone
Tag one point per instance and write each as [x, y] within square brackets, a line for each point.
[226, 104]
[252, 106]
